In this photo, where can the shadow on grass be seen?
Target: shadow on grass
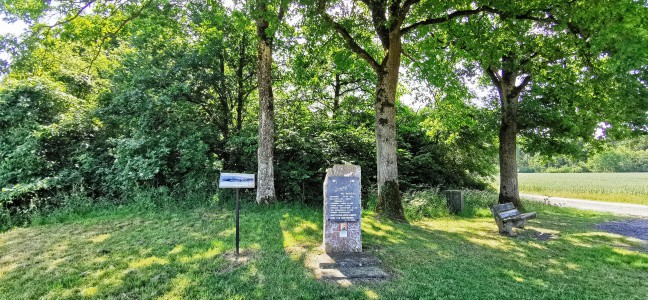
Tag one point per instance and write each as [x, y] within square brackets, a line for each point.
[466, 258]
[186, 255]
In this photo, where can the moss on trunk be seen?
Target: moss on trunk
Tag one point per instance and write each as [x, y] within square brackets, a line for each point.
[389, 203]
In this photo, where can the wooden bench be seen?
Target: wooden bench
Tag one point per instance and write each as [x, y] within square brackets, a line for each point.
[507, 216]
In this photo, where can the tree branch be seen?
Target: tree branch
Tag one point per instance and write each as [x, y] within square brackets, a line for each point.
[406, 8]
[353, 45]
[70, 19]
[283, 5]
[408, 56]
[516, 90]
[350, 90]
[379, 20]
[461, 13]
[494, 77]
[446, 18]
[119, 28]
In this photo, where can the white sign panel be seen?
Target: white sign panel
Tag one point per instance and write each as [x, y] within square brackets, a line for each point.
[236, 181]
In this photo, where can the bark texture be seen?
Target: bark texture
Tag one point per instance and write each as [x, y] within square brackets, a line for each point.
[508, 151]
[337, 86]
[505, 81]
[389, 202]
[265, 150]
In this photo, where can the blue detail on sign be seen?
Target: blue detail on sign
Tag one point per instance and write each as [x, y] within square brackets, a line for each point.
[236, 181]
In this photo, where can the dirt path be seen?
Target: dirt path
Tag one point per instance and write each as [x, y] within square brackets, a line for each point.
[611, 207]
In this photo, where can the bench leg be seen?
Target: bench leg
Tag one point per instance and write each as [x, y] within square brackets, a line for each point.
[520, 224]
[499, 225]
[508, 229]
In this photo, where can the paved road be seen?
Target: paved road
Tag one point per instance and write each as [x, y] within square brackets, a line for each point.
[611, 207]
[636, 228]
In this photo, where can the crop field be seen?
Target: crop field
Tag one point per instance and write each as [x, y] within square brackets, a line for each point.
[611, 187]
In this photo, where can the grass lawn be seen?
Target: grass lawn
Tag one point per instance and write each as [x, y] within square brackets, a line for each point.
[611, 187]
[121, 254]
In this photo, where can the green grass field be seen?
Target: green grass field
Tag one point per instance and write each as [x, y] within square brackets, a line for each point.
[611, 187]
[127, 254]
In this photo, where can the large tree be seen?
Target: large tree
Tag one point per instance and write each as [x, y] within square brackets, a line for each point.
[266, 16]
[516, 40]
[547, 64]
[381, 48]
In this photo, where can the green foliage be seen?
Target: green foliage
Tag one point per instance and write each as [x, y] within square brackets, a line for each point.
[432, 203]
[40, 122]
[619, 160]
[147, 101]
[457, 145]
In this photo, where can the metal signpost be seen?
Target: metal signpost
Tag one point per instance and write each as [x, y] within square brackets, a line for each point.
[236, 181]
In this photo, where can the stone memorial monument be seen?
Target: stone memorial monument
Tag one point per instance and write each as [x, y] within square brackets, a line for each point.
[342, 232]
[344, 261]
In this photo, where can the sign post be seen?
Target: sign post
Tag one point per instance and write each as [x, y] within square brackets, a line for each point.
[236, 181]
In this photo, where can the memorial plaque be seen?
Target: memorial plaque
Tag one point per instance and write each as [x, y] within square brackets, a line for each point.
[343, 199]
[342, 233]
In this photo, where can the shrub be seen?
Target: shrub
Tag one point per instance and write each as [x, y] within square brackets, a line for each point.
[41, 132]
[433, 203]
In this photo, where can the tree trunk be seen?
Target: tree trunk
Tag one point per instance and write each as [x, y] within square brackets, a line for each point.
[508, 148]
[389, 201]
[224, 104]
[222, 96]
[337, 86]
[265, 150]
[240, 92]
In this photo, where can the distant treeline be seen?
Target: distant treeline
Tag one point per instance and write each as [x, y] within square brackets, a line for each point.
[626, 156]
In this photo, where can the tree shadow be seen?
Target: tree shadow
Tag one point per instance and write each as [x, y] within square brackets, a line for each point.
[470, 253]
[184, 255]
[189, 255]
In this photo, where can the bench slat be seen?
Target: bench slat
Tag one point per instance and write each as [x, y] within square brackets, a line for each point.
[507, 216]
[503, 207]
[526, 216]
[509, 213]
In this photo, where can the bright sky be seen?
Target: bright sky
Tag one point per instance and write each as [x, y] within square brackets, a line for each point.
[10, 28]
[13, 28]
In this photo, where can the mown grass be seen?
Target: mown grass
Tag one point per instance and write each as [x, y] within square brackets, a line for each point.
[163, 254]
[611, 187]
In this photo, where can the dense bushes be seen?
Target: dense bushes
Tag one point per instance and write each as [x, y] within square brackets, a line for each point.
[619, 160]
[432, 203]
[166, 107]
[145, 143]
[43, 129]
